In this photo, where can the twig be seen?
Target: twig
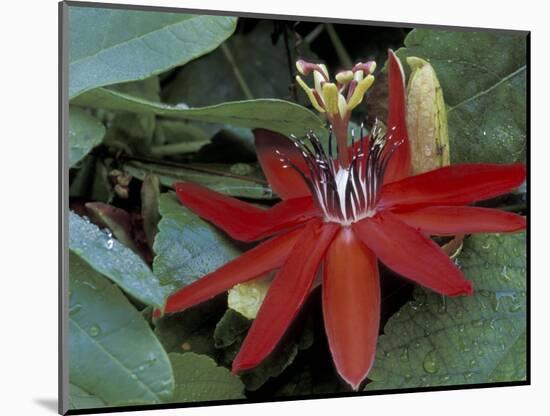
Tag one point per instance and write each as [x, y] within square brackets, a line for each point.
[311, 36]
[237, 72]
[343, 55]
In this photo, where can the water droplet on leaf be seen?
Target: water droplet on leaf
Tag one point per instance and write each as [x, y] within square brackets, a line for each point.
[94, 330]
[431, 362]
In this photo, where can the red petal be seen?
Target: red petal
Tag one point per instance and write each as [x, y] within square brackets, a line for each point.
[409, 253]
[454, 185]
[286, 295]
[240, 220]
[461, 220]
[399, 166]
[351, 306]
[260, 260]
[285, 181]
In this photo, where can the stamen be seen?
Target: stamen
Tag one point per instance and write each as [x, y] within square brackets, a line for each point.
[344, 194]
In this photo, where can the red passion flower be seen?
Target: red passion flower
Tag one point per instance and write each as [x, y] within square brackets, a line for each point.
[339, 215]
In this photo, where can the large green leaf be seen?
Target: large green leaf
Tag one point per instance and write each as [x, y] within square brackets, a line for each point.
[85, 132]
[483, 77]
[437, 341]
[116, 261]
[199, 379]
[108, 46]
[187, 247]
[80, 399]
[281, 116]
[114, 356]
[211, 79]
[218, 178]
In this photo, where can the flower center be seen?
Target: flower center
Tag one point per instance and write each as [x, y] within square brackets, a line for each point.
[344, 194]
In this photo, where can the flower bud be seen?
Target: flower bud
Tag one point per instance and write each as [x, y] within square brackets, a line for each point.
[246, 298]
[426, 118]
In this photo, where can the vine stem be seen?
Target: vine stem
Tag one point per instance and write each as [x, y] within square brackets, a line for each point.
[191, 167]
[341, 51]
[178, 148]
[237, 72]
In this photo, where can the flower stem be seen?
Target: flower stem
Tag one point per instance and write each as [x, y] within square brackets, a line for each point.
[237, 72]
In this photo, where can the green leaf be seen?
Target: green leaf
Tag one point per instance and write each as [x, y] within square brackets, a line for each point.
[136, 130]
[80, 399]
[199, 379]
[483, 77]
[109, 46]
[85, 133]
[218, 178]
[187, 247]
[116, 261]
[438, 341]
[230, 333]
[192, 329]
[231, 329]
[262, 65]
[281, 116]
[114, 356]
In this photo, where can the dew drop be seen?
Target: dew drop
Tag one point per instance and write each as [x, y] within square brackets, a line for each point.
[472, 363]
[477, 323]
[431, 362]
[94, 330]
[468, 376]
[404, 354]
[444, 379]
[109, 241]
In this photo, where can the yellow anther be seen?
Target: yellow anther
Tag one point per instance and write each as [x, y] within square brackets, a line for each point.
[325, 70]
[299, 67]
[372, 67]
[330, 97]
[342, 105]
[318, 80]
[344, 77]
[310, 95]
[359, 92]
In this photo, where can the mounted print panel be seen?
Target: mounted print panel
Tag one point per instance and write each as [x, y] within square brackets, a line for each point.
[267, 208]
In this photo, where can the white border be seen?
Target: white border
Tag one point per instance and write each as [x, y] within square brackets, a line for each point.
[29, 205]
